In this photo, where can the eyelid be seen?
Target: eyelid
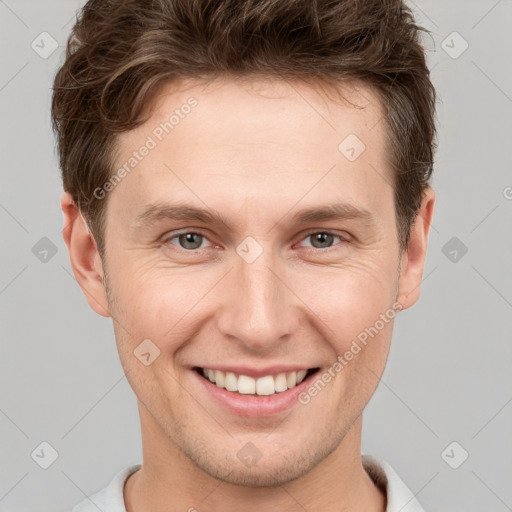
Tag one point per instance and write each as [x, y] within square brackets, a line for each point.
[324, 231]
[173, 234]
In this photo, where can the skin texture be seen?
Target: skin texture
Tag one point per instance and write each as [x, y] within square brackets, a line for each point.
[257, 152]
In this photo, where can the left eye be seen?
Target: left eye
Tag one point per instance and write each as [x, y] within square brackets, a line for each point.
[322, 238]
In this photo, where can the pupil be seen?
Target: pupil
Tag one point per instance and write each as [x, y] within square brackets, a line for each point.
[188, 238]
[322, 237]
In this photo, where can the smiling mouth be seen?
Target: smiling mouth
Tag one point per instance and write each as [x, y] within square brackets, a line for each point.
[262, 386]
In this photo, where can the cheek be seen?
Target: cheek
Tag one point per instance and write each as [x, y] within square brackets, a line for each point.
[157, 303]
[355, 316]
[151, 305]
[348, 300]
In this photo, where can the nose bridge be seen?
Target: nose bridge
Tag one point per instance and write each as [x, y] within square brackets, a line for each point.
[258, 311]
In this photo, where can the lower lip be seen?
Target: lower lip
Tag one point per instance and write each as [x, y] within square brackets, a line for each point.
[254, 406]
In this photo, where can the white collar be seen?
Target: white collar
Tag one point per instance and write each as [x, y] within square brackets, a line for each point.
[399, 496]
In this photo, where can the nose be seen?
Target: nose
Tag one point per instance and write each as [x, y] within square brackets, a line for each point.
[258, 309]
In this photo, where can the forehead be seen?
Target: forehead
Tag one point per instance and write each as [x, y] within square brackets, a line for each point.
[263, 141]
[255, 109]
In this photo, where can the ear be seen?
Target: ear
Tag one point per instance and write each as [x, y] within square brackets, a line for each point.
[413, 257]
[84, 257]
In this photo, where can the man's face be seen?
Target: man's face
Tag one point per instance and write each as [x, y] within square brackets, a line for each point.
[262, 293]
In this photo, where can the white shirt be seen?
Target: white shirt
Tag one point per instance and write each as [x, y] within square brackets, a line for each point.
[399, 497]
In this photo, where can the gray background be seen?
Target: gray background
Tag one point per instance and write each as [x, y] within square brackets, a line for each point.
[449, 372]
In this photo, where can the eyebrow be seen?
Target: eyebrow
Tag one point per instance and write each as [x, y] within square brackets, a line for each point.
[336, 211]
[157, 212]
[161, 211]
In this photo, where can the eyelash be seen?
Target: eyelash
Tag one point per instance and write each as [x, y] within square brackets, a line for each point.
[167, 239]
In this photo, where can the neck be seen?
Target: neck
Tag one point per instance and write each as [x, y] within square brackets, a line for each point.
[167, 477]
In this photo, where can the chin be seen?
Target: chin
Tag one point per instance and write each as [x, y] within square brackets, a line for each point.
[273, 475]
[273, 470]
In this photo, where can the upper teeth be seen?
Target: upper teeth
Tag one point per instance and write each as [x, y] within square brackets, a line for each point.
[267, 385]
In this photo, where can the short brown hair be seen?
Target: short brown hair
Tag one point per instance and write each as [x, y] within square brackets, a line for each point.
[120, 51]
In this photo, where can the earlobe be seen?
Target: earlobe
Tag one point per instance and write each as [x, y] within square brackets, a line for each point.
[413, 258]
[84, 257]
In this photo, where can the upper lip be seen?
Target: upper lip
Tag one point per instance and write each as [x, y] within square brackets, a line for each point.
[259, 372]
